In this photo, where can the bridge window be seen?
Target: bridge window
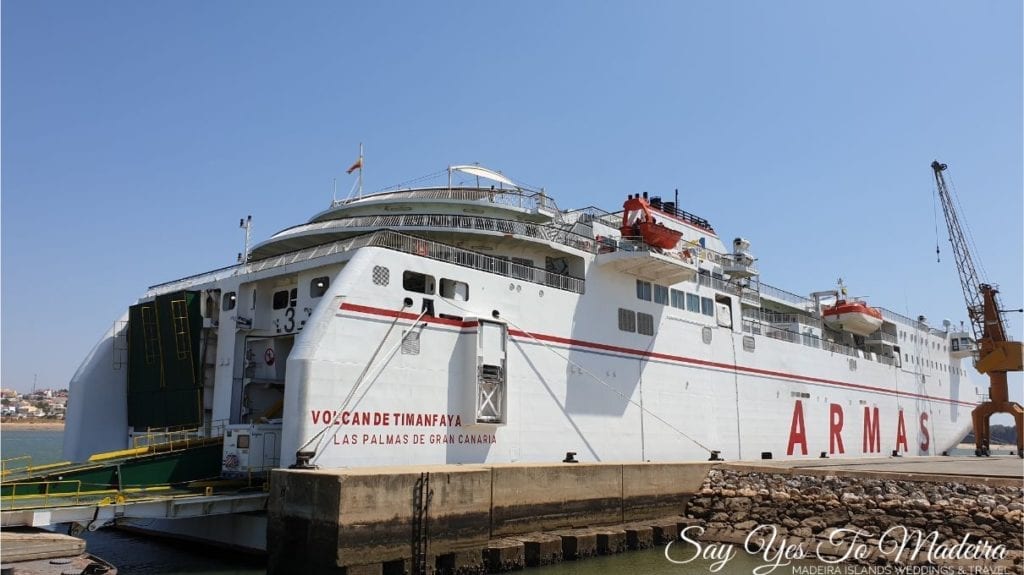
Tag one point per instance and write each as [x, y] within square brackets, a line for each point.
[660, 294]
[417, 282]
[678, 299]
[643, 290]
[693, 302]
[707, 307]
[318, 286]
[230, 299]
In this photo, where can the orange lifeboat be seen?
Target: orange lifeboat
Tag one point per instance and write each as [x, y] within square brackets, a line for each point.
[637, 220]
[855, 317]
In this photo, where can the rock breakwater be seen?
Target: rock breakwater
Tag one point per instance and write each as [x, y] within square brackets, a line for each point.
[865, 519]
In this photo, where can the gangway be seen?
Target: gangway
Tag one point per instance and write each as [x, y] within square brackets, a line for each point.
[166, 475]
[93, 511]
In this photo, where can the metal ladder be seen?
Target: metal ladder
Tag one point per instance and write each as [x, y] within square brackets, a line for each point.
[421, 495]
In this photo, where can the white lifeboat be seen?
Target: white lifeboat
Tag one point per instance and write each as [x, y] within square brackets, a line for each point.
[855, 317]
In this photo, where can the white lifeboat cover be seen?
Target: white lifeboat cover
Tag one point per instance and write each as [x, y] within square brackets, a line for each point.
[485, 173]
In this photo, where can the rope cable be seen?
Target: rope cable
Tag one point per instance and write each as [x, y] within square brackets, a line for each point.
[612, 389]
[597, 379]
[372, 380]
[318, 437]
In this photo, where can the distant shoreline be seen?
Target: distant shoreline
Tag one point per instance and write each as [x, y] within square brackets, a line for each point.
[49, 425]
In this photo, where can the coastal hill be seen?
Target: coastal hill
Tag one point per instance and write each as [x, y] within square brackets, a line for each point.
[1000, 434]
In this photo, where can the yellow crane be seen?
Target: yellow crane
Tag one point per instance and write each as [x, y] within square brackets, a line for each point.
[997, 354]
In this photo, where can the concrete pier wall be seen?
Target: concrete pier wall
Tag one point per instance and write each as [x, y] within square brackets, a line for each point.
[365, 520]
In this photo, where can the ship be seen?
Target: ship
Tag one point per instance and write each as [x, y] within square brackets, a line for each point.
[470, 319]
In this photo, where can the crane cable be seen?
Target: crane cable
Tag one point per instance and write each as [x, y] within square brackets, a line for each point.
[935, 215]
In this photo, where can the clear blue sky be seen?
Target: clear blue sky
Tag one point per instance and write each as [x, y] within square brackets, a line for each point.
[136, 134]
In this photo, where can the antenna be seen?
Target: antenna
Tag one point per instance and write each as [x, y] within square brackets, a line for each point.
[246, 224]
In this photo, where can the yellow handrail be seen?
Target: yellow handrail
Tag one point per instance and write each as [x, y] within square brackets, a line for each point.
[46, 495]
[6, 464]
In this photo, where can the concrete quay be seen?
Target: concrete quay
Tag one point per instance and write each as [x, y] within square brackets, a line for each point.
[496, 518]
[456, 518]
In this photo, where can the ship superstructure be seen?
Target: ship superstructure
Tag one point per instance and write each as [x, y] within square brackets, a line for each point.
[482, 323]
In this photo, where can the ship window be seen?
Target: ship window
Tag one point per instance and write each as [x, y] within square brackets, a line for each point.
[229, 301]
[707, 307]
[417, 282]
[281, 299]
[627, 320]
[693, 302]
[678, 299]
[660, 294]
[456, 290]
[644, 323]
[643, 290]
[318, 286]
[381, 275]
[242, 441]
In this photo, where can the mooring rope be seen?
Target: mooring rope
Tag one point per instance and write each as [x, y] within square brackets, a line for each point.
[359, 380]
[597, 379]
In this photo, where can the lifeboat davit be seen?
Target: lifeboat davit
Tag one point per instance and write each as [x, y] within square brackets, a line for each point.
[637, 220]
[855, 317]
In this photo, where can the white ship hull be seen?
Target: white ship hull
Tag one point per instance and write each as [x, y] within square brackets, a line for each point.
[416, 351]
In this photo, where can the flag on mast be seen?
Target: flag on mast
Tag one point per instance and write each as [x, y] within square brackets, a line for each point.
[358, 165]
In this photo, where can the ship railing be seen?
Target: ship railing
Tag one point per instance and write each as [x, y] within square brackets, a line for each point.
[782, 295]
[22, 465]
[474, 260]
[756, 327]
[591, 214]
[287, 258]
[391, 240]
[728, 287]
[184, 437]
[881, 335]
[781, 318]
[517, 198]
[36, 494]
[900, 318]
[450, 222]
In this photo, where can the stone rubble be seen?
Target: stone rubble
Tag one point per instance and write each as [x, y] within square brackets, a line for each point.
[807, 509]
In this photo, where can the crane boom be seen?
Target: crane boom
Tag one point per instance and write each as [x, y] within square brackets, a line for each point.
[997, 355]
[969, 281]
